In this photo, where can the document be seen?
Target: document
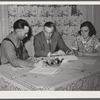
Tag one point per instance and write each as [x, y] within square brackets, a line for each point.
[72, 62]
[49, 70]
[68, 58]
[45, 71]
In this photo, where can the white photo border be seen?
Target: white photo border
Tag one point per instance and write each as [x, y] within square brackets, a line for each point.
[49, 94]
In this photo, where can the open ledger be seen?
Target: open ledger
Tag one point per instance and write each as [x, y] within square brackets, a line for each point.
[39, 69]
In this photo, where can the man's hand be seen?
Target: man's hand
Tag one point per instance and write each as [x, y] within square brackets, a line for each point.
[52, 54]
[61, 53]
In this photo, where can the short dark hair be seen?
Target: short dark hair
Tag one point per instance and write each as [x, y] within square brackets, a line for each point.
[50, 24]
[90, 26]
[20, 24]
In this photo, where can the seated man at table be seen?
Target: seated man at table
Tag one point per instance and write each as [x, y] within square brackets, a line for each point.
[12, 49]
[49, 42]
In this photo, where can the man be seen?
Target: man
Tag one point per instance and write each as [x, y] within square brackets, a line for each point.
[49, 42]
[12, 49]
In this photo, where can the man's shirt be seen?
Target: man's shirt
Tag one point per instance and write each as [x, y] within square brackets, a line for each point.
[8, 52]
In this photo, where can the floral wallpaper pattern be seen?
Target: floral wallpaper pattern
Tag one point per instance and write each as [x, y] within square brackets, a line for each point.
[67, 18]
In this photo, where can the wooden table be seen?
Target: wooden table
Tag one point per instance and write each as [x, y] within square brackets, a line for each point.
[86, 78]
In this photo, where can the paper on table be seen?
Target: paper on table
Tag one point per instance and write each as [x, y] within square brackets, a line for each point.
[42, 69]
[68, 57]
[72, 65]
[45, 70]
[71, 61]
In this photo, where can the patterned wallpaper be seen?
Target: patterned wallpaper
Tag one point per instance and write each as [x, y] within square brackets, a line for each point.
[67, 18]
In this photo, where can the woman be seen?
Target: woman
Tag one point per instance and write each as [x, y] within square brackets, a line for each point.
[86, 42]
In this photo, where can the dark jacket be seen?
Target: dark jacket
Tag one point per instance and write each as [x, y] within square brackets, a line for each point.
[41, 47]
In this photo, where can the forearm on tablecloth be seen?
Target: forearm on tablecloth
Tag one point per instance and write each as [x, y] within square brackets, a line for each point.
[21, 63]
[10, 55]
[16, 62]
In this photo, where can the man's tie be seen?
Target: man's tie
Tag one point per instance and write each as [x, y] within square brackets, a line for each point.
[49, 45]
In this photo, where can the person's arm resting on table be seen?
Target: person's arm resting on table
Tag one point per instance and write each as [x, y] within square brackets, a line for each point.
[9, 51]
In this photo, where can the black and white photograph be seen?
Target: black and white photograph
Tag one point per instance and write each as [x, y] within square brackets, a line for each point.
[53, 46]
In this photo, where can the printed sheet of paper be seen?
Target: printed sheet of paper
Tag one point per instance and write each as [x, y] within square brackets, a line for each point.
[40, 69]
[68, 57]
[71, 62]
[45, 71]
[72, 65]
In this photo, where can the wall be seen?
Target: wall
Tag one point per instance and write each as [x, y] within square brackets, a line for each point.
[4, 29]
[66, 18]
[96, 18]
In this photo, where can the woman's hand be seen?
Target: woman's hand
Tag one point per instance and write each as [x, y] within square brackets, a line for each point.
[69, 52]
